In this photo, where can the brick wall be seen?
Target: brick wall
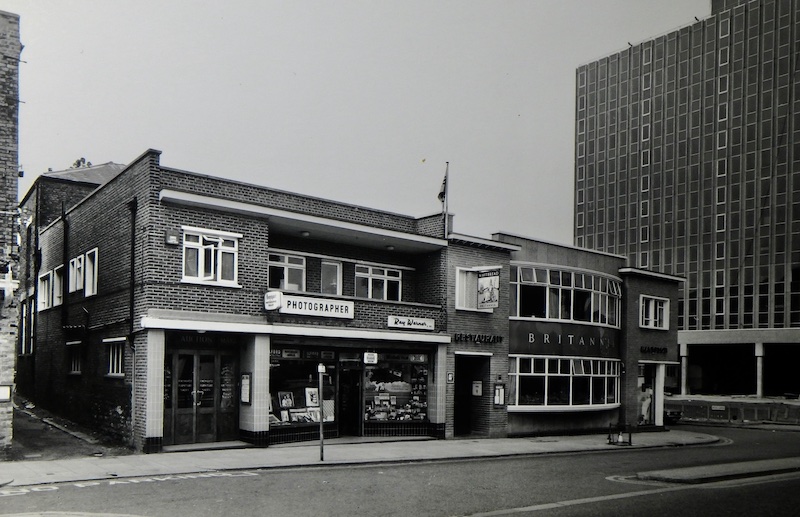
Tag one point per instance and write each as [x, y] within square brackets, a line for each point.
[10, 48]
[491, 420]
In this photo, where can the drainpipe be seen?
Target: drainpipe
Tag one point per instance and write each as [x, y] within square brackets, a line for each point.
[133, 206]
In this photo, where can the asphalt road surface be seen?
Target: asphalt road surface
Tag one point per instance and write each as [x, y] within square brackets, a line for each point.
[562, 484]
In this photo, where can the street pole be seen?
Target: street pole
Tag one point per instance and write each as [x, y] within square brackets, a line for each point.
[320, 371]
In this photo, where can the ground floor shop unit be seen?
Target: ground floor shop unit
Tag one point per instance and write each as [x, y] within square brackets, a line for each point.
[756, 362]
[264, 385]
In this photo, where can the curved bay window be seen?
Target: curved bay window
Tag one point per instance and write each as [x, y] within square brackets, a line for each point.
[546, 293]
[562, 383]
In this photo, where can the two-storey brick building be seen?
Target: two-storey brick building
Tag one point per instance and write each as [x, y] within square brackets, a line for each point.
[167, 308]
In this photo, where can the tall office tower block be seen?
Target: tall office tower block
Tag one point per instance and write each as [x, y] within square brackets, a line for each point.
[688, 163]
[10, 49]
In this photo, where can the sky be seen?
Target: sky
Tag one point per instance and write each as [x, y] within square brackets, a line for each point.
[363, 102]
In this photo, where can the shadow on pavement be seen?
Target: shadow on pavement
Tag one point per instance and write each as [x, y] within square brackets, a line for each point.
[40, 435]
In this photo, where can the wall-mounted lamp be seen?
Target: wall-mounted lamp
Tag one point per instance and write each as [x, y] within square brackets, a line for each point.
[305, 233]
[390, 247]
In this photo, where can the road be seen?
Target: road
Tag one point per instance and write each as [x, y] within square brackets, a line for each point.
[564, 484]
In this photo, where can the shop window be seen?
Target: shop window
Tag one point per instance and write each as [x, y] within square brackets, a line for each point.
[331, 278]
[90, 273]
[209, 257]
[578, 382]
[76, 274]
[654, 313]
[378, 283]
[116, 356]
[58, 286]
[294, 389]
[287, 272]
[397, 388]
[45, 291]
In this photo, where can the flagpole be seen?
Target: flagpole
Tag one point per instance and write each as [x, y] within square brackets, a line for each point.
[446, 188]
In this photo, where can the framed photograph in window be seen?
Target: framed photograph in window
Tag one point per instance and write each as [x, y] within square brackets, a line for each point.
[286, 399]
[312, 397]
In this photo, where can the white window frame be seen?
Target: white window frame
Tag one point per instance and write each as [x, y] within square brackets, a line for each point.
[115, 347]
[90, 271]
[373, 273]
[58, 285]
[467, 288]
[607, 370]
[45, 291]
[211, 247]
[653, 312]
[288, 262]
[338, 267]
[76, 274]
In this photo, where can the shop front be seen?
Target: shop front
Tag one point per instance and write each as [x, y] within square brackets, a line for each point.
[365, 391]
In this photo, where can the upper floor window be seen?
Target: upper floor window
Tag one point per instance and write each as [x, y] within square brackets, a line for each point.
[76, 274]
[58, 285]
[45, 292]
[209, 256]
[90, 273]
[287, 272]
[540, 292]
[654, 312]
[378, 283]
[331, 278]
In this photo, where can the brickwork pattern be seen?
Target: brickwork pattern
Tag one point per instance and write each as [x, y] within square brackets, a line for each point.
[494, 422]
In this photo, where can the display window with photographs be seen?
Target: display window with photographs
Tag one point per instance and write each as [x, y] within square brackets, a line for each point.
[396, 388]
[295, 394]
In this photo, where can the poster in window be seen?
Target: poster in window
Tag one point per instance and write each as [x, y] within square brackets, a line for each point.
[312, 397]
[488, 289]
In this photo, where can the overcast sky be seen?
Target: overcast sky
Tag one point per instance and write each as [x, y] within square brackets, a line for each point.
[357, 101]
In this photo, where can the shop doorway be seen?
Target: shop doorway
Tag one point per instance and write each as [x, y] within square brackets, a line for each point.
[646, 383]
[351, 414]
[200, 397]
[472, 397]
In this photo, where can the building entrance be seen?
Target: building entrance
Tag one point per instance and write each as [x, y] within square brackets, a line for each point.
[350, 405]
[200, 397]
[471, 396]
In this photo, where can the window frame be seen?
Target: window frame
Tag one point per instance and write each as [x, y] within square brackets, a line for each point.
[115, 349]
[76, 280]
[606, 370]
[371, 275]
[44, 298]
[467, 282]
[91, 268]
[286, 263]
[58, 286]
[653, 312]
[218, 250]
[338, 266]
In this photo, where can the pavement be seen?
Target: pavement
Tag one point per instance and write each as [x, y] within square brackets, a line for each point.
[46, 451]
